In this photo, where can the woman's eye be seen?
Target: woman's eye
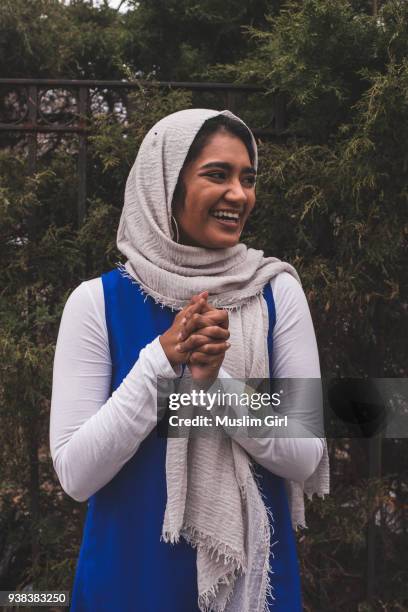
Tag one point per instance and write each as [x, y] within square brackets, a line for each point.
[216, 175]
[221, 176]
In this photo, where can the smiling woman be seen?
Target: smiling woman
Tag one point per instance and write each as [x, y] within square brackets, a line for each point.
[182, 525]
[215, 192]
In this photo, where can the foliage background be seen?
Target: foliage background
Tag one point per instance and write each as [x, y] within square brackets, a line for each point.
[331, 199]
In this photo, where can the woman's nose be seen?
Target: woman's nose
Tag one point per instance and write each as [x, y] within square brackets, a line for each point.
[236, 192]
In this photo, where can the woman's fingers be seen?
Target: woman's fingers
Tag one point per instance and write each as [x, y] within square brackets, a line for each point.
[191, 309]
[203, 343]
[199, 297]
[203, 331]
[199, 357]
[207, 307]
[214, 332]
[195, 321]
[169, 338]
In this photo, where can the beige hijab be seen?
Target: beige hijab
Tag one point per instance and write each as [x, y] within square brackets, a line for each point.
[224, 518]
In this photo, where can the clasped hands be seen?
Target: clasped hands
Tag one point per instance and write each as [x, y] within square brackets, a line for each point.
[198, 337]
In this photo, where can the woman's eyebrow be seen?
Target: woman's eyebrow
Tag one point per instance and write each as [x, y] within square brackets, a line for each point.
[226, 166]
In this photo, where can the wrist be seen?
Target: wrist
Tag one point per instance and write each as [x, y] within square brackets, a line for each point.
[166, 346]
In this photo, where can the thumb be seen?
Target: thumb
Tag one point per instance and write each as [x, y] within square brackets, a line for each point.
[201, 296]
[206, 307]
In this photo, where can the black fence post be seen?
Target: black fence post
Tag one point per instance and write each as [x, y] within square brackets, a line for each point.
[32, 136]
[82, 174]
[374, 472]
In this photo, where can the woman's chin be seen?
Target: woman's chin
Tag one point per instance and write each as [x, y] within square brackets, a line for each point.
[221, 241]
[226, 244]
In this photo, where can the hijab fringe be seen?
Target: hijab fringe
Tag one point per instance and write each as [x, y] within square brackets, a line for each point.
[213, 547]
[167, 302]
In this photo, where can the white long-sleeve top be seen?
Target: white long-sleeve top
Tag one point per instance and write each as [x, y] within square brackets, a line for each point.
[93, 434]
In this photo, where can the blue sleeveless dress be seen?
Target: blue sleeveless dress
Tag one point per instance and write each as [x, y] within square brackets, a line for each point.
[123, 566]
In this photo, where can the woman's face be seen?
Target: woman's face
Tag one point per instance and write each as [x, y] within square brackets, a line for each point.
[219, 194]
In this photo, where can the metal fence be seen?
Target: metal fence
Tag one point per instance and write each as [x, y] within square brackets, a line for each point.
[56, 106]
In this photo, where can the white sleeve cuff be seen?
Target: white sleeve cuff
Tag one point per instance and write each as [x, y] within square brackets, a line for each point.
[161, 364]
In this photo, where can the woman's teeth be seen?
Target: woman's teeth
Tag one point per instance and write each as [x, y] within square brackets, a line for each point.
[226, 215]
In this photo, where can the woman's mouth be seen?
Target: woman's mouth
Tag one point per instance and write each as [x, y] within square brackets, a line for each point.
[226, 218]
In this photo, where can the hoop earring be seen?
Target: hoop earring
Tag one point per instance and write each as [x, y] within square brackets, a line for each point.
[173, 219]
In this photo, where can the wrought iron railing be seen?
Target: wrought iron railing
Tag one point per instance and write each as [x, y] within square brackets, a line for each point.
[59, 106]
